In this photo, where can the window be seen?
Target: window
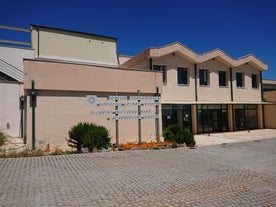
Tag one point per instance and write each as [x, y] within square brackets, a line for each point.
[254, 81]
[222, 78]
[239, 80]
[203, 77]
[163, 69]
[182, 75]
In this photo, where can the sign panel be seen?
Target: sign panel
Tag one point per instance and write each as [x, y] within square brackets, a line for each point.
[91, 100]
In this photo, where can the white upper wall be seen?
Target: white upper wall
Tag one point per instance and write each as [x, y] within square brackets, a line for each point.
[14, 56]
[52, 43]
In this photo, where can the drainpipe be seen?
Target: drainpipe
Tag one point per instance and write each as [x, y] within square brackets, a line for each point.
[33, 105]
[196, 98]
[21, 106]
[195, 68]
[150, 64]
[232, 98]
[262, 98]
[231, 84]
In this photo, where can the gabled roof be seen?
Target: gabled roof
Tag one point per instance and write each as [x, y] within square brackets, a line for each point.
[190, 55]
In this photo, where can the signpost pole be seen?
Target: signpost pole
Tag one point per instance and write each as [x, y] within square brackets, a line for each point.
[117, 120]
[157, 115]
[139, 118]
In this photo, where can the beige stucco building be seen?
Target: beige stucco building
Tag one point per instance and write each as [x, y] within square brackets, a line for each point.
[203, 93]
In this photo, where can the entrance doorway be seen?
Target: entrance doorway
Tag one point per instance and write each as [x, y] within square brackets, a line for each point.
[246, 116]
[179, 114]
[212, 118]
[240, 122]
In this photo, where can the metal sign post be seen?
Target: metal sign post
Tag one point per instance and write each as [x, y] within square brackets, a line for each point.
[117, 121]
[139, 118]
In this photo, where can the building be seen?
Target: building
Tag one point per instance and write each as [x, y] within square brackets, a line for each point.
[269, 93]
[77, 77]
[64, 80]
[269, 85]
[206, 93]
[12, 54]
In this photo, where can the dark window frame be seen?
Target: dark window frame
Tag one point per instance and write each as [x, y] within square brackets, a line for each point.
[254, 81]
[182, 76]
[239, 80]
[203, 77]
[222, 75]
[163, 69]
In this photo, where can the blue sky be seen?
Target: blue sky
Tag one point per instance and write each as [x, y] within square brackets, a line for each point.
[238, 27]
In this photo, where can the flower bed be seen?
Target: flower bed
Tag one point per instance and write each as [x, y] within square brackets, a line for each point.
[148, 145]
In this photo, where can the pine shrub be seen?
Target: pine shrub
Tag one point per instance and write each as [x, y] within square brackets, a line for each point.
[174, 133]
[88, 135]
[3, 138]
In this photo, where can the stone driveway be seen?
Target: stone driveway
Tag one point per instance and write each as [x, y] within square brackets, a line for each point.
[234, 174]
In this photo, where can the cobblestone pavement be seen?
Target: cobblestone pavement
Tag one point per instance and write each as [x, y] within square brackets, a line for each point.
[238, 174]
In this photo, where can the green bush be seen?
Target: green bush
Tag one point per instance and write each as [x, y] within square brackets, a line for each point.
[189, 138]
[3, 138]
[174, 133]
[77, 134]
[88, 135]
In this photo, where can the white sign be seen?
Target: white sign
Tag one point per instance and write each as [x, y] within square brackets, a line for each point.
[91, 100]
[125, 101]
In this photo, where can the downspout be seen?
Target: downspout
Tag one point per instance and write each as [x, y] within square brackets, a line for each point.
[196, 98]
[195, 69]
[232, 98]
[21, 106]
[33, 105]
[231, 84]
[262, 98]
[150, 63]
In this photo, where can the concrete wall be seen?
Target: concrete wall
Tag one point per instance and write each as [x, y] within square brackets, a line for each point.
[213, 92]
[58, 111]
[270, 110]
[247, 93]
[172, 91]
[73, 46]
[75, 77]
[61, 99]
[9, 107]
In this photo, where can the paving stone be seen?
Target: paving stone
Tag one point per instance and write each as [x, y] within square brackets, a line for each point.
[237, 174]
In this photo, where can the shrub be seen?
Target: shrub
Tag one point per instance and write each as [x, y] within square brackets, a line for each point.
[88, 135]
[189, 138]
[175, 133]
[77, 135]
[170, 133]
[3, 138]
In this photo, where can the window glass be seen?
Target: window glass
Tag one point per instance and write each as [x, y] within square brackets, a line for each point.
[222, 78]
[239, 80]
[182, 76]
[203, 77]
[163, 69]
[254, 81]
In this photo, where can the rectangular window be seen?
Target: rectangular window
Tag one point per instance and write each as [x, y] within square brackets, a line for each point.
[239, 80]
[254, 81]
[182, 75]
[163, 69]
[222, 78]
[203, 77]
